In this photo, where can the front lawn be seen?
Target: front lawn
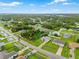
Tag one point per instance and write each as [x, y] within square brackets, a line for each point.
[51, 47]
[66, 52]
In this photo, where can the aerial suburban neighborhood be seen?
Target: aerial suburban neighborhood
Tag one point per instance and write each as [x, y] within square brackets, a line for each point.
[39, 29]
[26, 36]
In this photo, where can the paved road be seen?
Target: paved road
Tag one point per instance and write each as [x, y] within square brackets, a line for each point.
[52, 56]
[49, 54]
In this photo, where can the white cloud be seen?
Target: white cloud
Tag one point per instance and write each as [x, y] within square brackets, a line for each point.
[67, 3]
[10, 4]
[50, 3]
[31, 4]
[56, 1]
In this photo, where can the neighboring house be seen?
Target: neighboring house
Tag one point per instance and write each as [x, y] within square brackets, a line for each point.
[54, 33]
[77, 29]
[2, 54]
[22, 31]
[10, 39]
[67, 35]
[1, 44]
[2, 38]
[58, 42]
[45, 39]
[5, 55]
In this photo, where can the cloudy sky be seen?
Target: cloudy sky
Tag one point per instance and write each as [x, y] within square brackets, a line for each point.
[39, 6]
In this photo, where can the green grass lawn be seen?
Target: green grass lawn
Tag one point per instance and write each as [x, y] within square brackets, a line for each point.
[76, 54]
[65, 52]
[1, 36]
[34, 42]
[27, 51]
[37, 56]
[10, 47]
[4, 40]
[20, 46]
[51, 47]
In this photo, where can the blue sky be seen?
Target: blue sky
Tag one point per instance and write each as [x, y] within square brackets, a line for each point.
[39, 6]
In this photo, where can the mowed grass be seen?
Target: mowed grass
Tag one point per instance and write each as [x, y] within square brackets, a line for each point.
[66, 52]
[34, 42]
[10, 47]
[51, 47]
[27, 51]
[37, 56]
[4, 40]
[1, 36]
[76, 53]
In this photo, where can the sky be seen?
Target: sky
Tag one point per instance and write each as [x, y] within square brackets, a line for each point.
[39, 6]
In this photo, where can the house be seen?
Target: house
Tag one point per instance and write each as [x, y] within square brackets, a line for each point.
[45, 39]
[67, 35]
[58, 42]
[10, 39]
[2, 54]
[1, 44]
[2, 38]
[5, 55]
[55, 33]
[77, 29]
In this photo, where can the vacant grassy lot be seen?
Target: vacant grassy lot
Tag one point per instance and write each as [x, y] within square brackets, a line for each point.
[76, 54]
[34, 42]
[51, 47]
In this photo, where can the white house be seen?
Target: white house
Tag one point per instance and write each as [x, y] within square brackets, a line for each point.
[45, 39]
[67, 35]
